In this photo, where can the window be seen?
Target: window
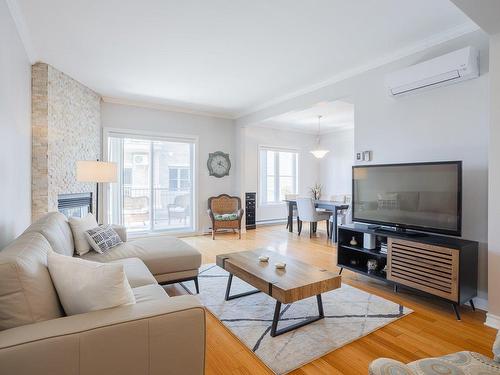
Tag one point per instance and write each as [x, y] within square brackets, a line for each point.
[278, 174]
[178, 178]
[155, 189]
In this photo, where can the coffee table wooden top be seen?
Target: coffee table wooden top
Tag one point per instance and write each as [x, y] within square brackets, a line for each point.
[297, 281]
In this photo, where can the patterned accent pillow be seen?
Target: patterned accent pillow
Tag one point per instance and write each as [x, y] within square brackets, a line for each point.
[226, 217]
[103, 238]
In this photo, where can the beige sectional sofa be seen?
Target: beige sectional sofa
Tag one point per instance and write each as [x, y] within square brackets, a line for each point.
[156, 335]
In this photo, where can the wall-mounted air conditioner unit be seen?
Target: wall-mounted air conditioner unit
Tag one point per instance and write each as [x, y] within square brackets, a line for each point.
[453, 67]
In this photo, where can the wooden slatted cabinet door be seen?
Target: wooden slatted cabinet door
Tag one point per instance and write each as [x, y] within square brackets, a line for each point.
[429, 268]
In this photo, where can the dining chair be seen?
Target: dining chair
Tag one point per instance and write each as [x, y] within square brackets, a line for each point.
[343, 216]
[306, 211]
[291, 197]
[338, 198]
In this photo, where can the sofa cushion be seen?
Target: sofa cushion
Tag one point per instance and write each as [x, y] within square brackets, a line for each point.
[27, 294]
[226, 217]
[161, 254]
[136, 271]
[55, 228]
[85, 286]
[79, 225]
[148, 293]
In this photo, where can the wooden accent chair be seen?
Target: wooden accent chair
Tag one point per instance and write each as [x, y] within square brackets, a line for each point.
[225, 212]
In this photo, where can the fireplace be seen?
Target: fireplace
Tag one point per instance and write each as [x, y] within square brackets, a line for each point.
[75, 205]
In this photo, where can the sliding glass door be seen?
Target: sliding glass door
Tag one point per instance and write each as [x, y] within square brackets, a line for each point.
[155, 190]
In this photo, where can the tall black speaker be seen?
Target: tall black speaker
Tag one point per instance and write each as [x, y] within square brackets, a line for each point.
[250, 210]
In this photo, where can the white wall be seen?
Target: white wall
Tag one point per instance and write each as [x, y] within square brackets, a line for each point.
[15, 131]
[214, 134]
[250, 140]
[335, 169]
[494, 186]
[448, 123]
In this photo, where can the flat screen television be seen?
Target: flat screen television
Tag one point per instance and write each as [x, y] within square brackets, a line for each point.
[420, 196]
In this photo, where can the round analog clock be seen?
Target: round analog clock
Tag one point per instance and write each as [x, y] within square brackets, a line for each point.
[218, 164]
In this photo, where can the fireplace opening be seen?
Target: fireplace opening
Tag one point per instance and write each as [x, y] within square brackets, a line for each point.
[75, 205]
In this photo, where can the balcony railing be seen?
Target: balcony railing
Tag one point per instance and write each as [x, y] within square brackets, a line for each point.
[156, 208]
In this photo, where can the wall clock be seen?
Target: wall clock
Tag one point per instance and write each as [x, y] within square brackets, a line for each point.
[218, 164]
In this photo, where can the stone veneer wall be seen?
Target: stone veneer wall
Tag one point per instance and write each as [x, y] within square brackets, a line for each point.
[66, 127]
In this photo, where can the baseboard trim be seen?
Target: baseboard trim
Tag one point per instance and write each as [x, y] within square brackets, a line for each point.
[271, 222]
[492, 321]
[481, 303]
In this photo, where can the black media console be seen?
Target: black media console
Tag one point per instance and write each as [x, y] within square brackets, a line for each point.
[445, 267]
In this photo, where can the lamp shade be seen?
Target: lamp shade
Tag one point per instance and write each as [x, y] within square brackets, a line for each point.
[96, 171]
[318, 153]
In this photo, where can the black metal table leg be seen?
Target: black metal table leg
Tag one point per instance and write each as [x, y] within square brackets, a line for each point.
[228, 290]
[290, 217]
[277, 310]
[197, 285]
[335, 225]
[457, 313]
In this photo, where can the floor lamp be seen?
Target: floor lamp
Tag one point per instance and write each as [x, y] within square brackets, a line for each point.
[97, 172]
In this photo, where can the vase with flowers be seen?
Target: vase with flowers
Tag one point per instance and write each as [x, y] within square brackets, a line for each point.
[316, 191]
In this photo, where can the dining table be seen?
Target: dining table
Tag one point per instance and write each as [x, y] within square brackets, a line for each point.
[327, 205]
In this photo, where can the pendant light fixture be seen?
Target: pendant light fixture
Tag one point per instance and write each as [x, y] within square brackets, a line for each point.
[319, 152]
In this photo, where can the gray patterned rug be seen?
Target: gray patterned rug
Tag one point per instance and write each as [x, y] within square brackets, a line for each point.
[350, 314]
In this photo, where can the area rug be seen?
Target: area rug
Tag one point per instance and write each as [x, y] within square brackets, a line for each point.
[350, 314]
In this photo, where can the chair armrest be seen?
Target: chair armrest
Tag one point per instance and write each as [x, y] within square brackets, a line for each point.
[211, 214]
[240, 212]
[164, 335]
[383, 366]
[121, 230]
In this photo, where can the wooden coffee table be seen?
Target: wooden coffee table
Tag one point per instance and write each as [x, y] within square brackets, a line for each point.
[297, 281]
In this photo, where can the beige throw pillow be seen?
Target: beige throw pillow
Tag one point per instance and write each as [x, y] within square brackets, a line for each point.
[79, 226]
[84, 286]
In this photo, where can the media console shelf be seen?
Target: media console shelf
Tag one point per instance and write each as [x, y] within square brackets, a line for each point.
[442, 266]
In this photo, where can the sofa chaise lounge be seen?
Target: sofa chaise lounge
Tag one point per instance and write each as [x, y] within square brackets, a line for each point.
[156, 335]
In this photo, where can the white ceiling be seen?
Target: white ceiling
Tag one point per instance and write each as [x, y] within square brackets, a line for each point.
[226, 57]
[335, 116]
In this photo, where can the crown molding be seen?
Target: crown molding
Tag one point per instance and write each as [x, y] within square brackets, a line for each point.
[271, 126]
[417, 47]
[166, 107]
[22, 30]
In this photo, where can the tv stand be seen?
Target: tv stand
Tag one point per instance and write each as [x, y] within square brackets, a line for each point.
[444, 267]
[400, 232]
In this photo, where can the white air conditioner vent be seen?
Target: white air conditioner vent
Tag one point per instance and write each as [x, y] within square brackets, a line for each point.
[451, 68]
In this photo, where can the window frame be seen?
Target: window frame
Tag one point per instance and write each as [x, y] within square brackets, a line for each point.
[108, 132]
[179, 179]
[263, 179]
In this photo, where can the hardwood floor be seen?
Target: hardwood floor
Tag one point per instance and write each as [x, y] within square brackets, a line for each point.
[430, 331]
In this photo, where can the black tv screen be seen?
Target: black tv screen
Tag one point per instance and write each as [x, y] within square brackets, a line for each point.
[419, 196]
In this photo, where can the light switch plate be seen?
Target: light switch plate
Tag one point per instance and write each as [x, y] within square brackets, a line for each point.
[367, 156]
